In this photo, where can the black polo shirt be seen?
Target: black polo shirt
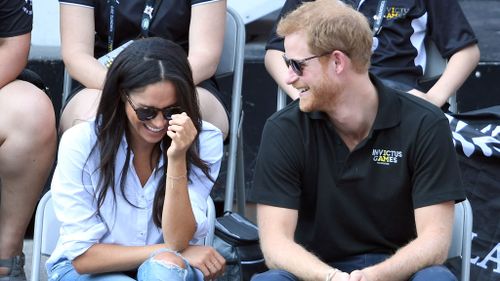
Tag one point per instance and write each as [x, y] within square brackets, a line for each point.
[171, 21]
[398, 49]
[16, 17]
[362, 201]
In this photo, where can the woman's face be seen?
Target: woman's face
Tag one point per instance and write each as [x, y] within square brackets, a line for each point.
[159, 96]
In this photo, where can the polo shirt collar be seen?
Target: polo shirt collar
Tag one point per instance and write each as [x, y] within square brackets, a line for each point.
[389, 105]
[388, 113]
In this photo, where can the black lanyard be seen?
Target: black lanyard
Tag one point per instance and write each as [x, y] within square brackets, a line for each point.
[379, 13]
[111, 34]
[149, 12]
[379, 17]
[147, 16]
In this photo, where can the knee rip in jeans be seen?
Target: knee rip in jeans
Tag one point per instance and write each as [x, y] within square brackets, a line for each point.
[169, 260]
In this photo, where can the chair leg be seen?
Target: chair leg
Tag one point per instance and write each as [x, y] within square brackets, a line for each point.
[240, 176]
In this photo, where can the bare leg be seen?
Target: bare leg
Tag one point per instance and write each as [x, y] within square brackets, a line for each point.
[82, 107]
[27, 150]
[212, 110]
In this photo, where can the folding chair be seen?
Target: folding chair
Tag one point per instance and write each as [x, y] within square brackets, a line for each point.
[462, 237]
[231, 62]
[435, 65]
[46, 231]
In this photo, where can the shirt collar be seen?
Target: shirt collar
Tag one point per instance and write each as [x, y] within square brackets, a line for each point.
[389, 104]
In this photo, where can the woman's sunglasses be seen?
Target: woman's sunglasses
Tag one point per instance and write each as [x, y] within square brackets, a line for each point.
[297, 65]
[147, 113]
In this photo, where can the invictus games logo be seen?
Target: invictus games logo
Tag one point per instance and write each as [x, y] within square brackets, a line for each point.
[385, 156]
[396, 12]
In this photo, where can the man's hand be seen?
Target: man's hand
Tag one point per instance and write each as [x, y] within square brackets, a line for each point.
[358, 275]
[340, 276]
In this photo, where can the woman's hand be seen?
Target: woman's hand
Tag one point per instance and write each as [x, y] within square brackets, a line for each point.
[182, 132]
[206, 259]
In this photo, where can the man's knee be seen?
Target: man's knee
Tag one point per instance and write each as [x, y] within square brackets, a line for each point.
[435, 273]
[274, 275]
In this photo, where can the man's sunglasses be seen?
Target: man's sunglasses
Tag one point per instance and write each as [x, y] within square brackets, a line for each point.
[297, 65]
[147, 113]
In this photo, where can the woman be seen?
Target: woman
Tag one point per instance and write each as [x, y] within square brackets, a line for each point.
[92, 28]
[130, 187]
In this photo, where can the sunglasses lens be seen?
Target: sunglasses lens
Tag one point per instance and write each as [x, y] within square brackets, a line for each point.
[168, 112]
[287, 61]
[296, 67]
[145, 113]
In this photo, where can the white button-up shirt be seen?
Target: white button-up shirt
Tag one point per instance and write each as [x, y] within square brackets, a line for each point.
[74, 192]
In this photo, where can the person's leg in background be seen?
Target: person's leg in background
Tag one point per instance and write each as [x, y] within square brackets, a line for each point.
[81, 106]
[28, 143]
[212, 110]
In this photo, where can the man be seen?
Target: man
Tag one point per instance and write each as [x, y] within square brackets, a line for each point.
[354, 180]
[399, 30]
[27, 137]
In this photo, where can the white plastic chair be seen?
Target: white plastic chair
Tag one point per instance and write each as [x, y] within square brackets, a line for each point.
[46, 232]
[461, 241]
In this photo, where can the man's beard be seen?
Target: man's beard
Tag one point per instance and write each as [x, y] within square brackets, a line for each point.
[320, 97]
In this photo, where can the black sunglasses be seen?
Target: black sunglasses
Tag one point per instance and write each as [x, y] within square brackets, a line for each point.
[297, 65]
[147, 113]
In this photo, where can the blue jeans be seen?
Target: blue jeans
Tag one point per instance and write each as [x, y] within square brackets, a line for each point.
[150, 270]
[435, 273]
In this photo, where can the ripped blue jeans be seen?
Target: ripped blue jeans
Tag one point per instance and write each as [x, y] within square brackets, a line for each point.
[150, 270]
[156, 270]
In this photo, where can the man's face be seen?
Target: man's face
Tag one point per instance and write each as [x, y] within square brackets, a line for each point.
[314, 84]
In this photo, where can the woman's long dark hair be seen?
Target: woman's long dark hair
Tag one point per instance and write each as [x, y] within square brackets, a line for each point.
[144, 62]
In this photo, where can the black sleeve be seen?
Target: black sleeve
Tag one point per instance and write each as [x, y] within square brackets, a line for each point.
[16, 17]
[275, 42]
[436, 176]
[448, 27]
[277, 177]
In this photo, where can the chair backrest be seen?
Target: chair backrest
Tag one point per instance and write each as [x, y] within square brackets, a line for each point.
[45, 234]
[462, 237]
[231, 62]
[435, 66]
[46, 231]
[435, 63]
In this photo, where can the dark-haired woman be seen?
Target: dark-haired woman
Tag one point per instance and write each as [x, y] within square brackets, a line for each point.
[92, 28]
[130, 187]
